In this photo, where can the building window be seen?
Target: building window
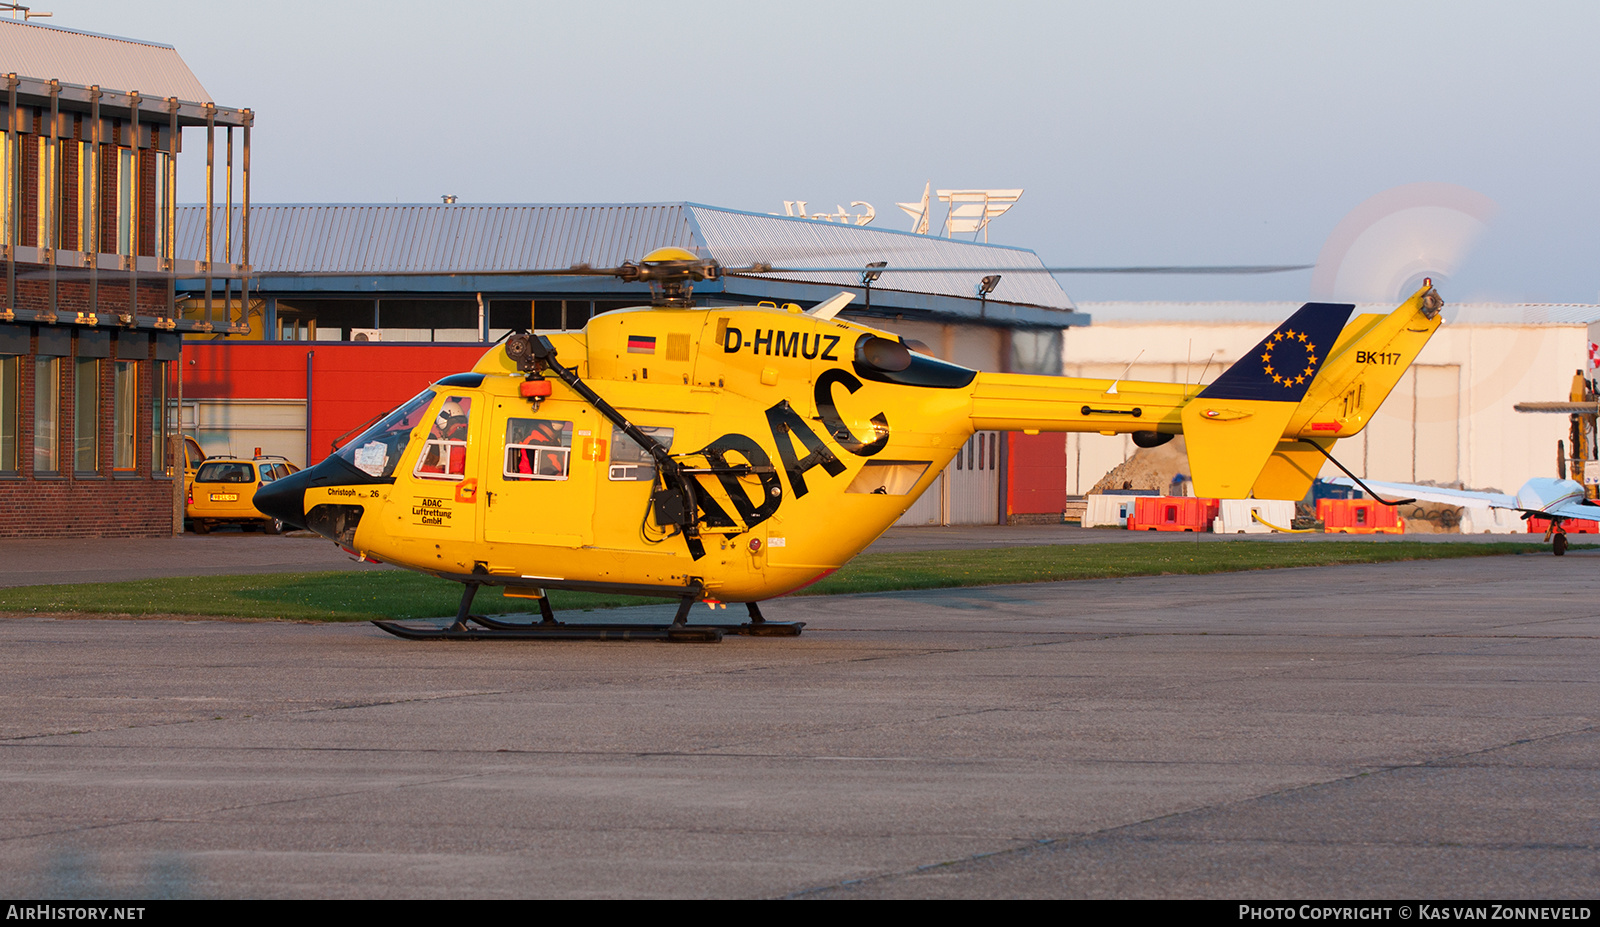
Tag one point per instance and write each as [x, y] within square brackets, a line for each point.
[43, 190]
[165, 443]
[76, 197]
[10, 398]
[86, 416]
[125, 415]
[7, 197]
[163, 170]
[1036, 351]
[127, 196]
[46, 414]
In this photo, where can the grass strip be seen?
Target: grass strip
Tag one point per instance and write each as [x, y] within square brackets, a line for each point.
[352, 596]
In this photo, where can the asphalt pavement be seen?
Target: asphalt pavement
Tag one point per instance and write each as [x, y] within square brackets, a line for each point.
[1421, 731]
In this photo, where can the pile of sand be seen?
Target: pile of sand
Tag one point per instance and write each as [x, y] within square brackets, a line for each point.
[1149, 468]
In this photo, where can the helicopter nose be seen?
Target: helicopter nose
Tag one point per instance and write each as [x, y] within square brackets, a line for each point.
[286, 498]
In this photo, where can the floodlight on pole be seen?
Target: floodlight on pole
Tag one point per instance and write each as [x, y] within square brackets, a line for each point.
[985, 287]
[869, 276]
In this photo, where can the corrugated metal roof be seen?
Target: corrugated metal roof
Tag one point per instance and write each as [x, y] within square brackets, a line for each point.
[1454, 313]
[86, 59]
[462, 239]
[742, 238]
[438, 238]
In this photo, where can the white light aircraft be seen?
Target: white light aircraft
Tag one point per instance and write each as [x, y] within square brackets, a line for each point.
[1541, 497]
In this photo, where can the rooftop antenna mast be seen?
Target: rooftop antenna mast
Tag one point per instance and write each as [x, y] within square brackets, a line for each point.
[18, 11]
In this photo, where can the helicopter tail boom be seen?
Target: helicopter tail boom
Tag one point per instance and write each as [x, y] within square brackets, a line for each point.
[1312, 378]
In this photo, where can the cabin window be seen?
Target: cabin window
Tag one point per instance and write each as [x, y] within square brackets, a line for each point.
[377, 450]
[444, 454]
[632, 463]
[537, 449]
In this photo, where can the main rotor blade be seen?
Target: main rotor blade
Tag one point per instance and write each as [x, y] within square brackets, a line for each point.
[1132, 269]
[579, 271]
[762, 270]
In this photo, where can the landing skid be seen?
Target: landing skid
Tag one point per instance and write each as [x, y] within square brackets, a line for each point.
[680, 631]
[692, 634]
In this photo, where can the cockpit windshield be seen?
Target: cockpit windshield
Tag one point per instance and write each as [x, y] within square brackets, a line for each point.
[378, 449]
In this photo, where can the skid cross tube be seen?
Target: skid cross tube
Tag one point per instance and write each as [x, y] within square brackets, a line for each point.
[1365, 488]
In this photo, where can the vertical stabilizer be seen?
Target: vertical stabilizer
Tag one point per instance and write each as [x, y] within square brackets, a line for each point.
[1233, 426]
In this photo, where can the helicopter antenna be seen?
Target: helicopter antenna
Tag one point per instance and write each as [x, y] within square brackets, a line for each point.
[830, 308]
[1113, 390]
[1202, 380]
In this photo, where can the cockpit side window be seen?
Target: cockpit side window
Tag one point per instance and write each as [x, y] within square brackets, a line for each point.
[444, 455]
[376, 452]
[537, 449]
[629, 461]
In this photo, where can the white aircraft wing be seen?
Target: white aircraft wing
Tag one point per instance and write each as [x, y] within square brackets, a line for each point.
[1575, 510]
[1493, 500]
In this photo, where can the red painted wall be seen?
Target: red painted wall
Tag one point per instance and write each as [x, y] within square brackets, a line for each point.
[350, 382]
[1036, 473]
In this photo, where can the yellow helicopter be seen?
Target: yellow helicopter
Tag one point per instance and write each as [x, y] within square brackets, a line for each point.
[735, 454]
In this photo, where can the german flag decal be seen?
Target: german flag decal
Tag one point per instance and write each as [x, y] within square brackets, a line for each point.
[641, 344]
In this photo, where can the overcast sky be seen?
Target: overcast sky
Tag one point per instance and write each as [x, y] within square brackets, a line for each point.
[1154, 133]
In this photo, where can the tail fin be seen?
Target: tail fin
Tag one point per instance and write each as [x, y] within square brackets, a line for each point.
[1372, 354]
[1234, 424]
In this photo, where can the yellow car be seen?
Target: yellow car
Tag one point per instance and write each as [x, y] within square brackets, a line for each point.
[223, 488]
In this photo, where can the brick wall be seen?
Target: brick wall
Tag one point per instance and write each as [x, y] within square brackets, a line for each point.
[106, 503]
[72, 296]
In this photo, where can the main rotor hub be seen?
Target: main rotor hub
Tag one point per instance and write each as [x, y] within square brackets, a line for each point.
[672, 274]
